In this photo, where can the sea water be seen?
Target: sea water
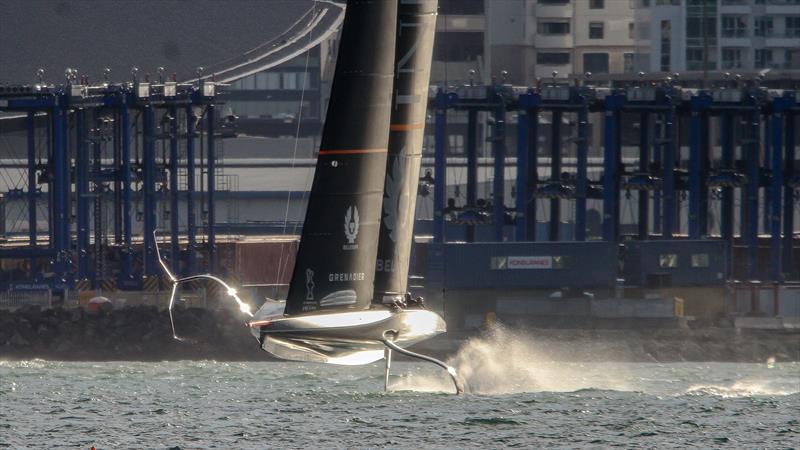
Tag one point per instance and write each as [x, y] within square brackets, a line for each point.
[514, 400]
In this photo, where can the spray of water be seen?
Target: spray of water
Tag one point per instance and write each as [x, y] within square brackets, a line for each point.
[742, 388]
[504, 361]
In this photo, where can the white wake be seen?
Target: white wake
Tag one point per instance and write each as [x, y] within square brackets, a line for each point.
[502, 361]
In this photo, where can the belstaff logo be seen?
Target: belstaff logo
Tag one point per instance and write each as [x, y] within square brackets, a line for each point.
[351, 228]
[309, 284]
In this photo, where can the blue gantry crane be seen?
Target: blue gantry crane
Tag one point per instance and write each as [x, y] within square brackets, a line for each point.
[753, 125]
[100, 142]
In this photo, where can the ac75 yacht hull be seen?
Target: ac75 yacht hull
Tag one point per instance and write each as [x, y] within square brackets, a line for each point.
[347, 338]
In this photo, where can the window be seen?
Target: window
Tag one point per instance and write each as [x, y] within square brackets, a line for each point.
[763, 58]
[290, 80]
[731, 58]
[695, 59]
[642, 30]
[793, 26]
[249, 82]
[597, 4]
[700, 32]
[595, 62]
[700, 260]
[666, 45]
[271, 109]
[627, 62]
[549, 27]
[734, 26]
[552, 58]
[631, 30]
[460, 46]
[701, 7]
[461, 7]
[261, 80]
[273, 80]
[668, 261]
[455, 144]
[762, 26]
[668, 2]
[791, 59]
[595, 30]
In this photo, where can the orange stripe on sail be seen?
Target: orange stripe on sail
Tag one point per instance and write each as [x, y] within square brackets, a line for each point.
[352, 151]
[406, 126]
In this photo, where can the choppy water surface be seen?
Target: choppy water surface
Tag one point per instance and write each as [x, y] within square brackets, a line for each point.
[519, 395]
[256, 405]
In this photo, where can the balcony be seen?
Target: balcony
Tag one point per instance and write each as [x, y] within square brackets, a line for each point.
[734, 42]
[560, 11]
[711, 41]
[552, 41]
[738, 9]
[782, 7]
[461, 23]
[782, 42]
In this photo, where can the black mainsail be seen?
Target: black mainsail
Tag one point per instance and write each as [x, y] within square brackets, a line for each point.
[416, 27]
[329, 316]
[335, 266]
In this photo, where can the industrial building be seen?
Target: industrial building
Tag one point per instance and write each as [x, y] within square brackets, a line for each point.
[536, 193]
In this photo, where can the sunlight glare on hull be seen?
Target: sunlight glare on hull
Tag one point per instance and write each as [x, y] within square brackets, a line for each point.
[345, 338]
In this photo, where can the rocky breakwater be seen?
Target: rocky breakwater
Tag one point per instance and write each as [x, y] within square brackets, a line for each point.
[143, 333]
[139, 333]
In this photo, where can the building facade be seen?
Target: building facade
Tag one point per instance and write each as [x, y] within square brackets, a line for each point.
[268, 103]
[530, 39]
[579, 36]
[709, 35]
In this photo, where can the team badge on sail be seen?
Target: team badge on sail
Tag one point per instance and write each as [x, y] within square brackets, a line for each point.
[351, 228]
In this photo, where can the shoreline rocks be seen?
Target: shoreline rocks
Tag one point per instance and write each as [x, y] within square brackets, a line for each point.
[143, 333]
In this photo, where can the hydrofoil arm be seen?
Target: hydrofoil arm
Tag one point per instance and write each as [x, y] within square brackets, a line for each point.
[388, 342]
[243, 307]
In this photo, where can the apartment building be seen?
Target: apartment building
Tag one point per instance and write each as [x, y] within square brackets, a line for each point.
[530, 39]
[461, 41]
[736, 35]
[579, 36]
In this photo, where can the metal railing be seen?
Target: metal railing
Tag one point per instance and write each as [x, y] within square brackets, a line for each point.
[21, 299]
